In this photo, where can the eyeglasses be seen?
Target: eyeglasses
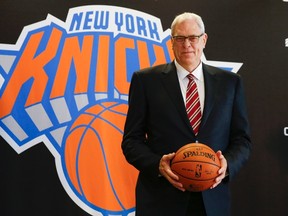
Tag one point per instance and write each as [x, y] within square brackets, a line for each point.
[193, 39]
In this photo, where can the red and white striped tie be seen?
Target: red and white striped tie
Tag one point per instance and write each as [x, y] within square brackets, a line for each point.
[193, 104]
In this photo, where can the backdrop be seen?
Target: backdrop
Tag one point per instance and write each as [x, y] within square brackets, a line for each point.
[65, 68]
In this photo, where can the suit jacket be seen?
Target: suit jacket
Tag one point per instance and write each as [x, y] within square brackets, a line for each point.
[157, 124]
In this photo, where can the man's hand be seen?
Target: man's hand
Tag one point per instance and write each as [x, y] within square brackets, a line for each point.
[222, 171]
[165, 171]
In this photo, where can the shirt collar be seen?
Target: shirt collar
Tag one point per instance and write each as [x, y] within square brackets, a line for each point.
[182, 72]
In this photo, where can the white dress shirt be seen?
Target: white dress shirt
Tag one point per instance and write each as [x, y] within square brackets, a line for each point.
[199, 79]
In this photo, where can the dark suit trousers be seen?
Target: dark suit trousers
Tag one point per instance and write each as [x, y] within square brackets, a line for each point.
[196, 206]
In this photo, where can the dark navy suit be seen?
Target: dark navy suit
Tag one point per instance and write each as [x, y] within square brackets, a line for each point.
[157, 124]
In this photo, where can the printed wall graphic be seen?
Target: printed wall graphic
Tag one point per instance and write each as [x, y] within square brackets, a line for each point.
[66, 84]
[65, 70]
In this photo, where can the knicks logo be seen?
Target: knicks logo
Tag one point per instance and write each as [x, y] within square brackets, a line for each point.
[65, 84]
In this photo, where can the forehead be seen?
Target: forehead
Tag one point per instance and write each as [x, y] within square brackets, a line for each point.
[187, 27]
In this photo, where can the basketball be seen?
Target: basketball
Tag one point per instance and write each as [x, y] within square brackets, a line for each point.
[96, 167]
[196, 165]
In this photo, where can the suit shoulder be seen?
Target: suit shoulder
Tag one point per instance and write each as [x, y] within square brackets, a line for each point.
[155, 70]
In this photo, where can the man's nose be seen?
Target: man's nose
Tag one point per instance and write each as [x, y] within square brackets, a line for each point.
[186, 42]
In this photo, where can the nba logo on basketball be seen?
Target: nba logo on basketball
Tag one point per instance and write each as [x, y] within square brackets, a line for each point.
[198, 171]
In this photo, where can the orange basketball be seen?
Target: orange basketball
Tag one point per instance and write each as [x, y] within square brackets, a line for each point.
[95, 164]
[196, 165]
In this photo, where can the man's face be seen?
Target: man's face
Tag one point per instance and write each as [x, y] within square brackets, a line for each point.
[188, 52]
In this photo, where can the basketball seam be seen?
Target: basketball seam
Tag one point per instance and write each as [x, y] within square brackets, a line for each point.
[194, 178]
[186, 161]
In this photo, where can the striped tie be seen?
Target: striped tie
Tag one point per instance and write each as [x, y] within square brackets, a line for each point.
[193, 104]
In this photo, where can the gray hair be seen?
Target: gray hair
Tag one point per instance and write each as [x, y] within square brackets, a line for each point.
[187, 16]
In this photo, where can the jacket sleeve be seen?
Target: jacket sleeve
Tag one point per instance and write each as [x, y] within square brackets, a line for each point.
[239, 147]
[134, 143]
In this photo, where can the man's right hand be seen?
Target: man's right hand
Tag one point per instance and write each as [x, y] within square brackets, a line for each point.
[165, 171]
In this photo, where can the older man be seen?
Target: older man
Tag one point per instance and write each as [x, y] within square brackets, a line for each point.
[158, 124]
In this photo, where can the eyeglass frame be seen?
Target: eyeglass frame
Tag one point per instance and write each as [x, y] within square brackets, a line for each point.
[189, 37]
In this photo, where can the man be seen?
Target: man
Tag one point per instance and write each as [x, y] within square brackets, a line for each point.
[157, 125]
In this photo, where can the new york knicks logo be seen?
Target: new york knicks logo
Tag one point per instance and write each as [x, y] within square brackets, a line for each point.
[65, 84]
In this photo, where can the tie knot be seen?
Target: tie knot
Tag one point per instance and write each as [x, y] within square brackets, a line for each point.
[191, 77]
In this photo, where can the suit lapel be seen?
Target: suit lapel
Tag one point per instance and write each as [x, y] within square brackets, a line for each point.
[211, 87]
[171, 84]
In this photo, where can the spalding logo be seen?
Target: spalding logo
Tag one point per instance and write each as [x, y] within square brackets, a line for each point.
[65, 84]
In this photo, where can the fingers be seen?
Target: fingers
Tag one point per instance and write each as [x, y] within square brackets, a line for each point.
[164, 166]
[178, 185]
[165, 171]
[222, 170]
